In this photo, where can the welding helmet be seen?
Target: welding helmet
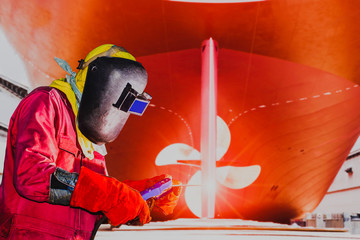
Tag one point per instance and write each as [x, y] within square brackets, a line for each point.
[113, 89]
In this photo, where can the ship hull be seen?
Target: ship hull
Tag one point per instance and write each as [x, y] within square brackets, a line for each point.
[287, 88]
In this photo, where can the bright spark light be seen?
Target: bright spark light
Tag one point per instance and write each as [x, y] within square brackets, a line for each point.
[230, 177]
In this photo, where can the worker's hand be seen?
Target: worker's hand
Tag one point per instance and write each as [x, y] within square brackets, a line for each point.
[120, 203]
[130, 208]
[166, 204]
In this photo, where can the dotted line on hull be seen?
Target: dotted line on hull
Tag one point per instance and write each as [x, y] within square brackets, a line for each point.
[292, 101]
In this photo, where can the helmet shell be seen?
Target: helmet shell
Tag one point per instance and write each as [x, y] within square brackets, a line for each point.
[106, 78]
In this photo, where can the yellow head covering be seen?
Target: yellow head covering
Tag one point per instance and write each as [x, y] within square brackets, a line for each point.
[67, 85]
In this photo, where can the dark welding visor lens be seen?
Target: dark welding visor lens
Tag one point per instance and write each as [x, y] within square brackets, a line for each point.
[128, 101]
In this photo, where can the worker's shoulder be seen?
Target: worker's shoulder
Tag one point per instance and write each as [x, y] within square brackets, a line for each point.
[44, 94]
[45, 90]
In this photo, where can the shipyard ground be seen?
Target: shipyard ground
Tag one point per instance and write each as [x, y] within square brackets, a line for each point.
[222, 229]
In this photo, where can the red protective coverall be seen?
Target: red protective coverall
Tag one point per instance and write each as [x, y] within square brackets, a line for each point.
[41, 137]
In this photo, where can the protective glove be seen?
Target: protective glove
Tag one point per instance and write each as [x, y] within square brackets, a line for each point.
[167, 202]
[120, 203]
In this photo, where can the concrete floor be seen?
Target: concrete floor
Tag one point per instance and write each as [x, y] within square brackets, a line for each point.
[220, 229]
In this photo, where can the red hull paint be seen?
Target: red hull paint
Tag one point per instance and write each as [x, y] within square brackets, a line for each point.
[289, 69]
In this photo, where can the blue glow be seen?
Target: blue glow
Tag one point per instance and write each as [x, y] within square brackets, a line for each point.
[138, 107]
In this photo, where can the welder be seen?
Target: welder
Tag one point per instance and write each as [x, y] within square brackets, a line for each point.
[55, 183]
